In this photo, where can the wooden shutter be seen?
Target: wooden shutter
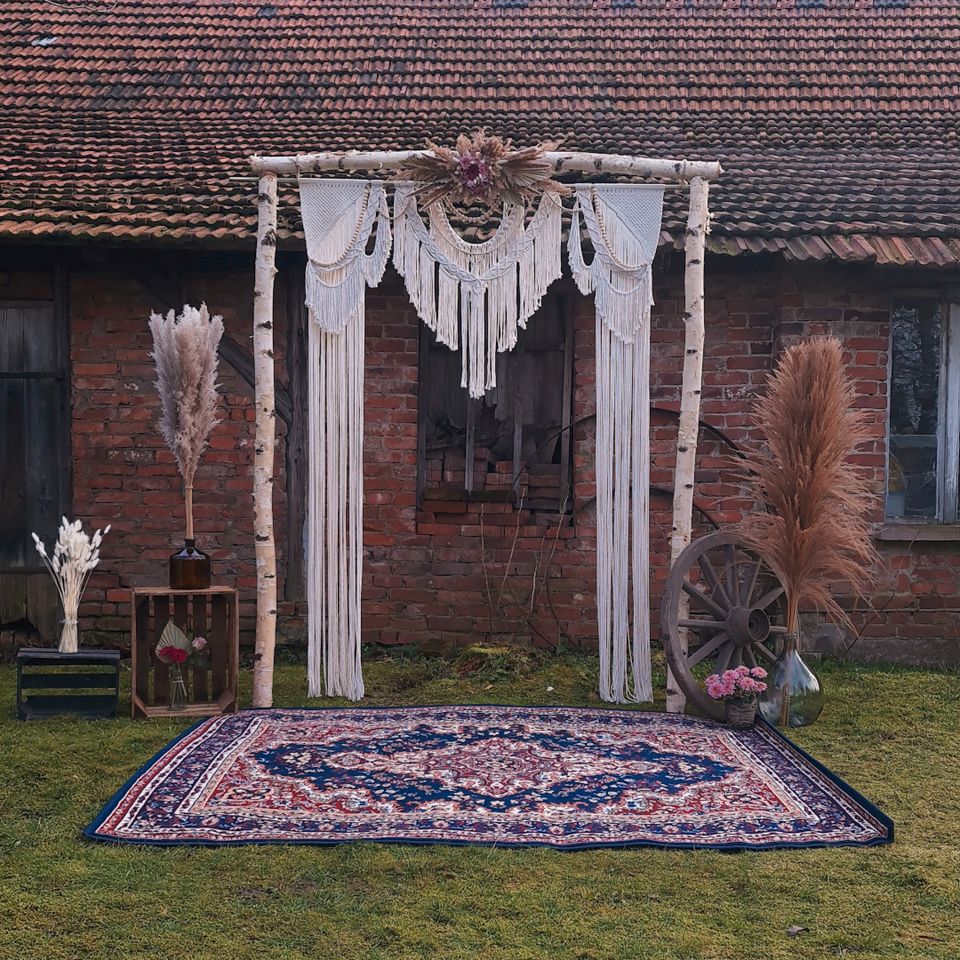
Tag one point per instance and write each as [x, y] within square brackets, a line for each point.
[34, 430]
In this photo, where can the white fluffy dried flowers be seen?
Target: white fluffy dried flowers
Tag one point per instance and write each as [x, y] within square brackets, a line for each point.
[75, 555]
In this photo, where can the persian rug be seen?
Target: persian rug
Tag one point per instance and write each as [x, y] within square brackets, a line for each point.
[508, 776]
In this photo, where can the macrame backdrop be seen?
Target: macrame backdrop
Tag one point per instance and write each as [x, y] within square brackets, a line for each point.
[474, 296]
[338, 218]
[623, 222]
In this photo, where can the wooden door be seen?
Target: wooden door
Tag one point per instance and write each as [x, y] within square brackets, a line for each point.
[34, 455]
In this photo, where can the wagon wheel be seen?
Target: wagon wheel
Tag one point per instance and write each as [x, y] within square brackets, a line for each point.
[735, 613]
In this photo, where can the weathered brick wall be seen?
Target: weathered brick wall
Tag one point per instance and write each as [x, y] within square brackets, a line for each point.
[124, 475]
[456, 572]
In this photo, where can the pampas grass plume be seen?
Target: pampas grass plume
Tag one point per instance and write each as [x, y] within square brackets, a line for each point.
[185, 352]
[815, 530]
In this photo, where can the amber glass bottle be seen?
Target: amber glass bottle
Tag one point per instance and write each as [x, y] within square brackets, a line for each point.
[189, 569]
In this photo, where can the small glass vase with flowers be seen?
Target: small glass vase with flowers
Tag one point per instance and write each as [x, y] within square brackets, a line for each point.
[738, 690]
[177, 650]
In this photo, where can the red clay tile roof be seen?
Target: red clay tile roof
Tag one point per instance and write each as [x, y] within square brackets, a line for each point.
[837, 124]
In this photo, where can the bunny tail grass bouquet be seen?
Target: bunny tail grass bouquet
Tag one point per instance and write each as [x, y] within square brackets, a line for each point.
[185, 352]
[75, 555]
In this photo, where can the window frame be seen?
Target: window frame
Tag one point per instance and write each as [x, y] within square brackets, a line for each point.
[560, 301]
[947, 510]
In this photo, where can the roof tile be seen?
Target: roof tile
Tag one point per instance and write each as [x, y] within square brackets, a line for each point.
[836, 123]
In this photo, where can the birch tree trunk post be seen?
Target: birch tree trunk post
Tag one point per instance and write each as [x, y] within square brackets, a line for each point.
[683, 482]
[263, 461]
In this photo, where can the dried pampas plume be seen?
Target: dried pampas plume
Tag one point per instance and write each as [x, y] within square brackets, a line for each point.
[185, 352]
[815, 530]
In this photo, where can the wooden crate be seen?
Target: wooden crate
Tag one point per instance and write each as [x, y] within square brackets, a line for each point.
[211, 613]
[84, 684]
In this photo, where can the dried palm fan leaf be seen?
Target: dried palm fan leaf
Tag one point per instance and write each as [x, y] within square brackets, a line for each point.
[481, 169]
[815, 529]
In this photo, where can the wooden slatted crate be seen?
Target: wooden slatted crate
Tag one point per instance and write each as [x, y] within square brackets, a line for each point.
[84, 684]
[211, 613]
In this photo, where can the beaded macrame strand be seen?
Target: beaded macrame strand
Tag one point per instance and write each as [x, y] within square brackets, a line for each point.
[623, 222]
[338, 218]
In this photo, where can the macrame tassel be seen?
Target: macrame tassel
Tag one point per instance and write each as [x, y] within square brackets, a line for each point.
[338, 218]
[624, 226]
[475, 296]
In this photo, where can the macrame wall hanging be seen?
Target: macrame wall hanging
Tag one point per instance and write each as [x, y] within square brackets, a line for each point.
[338, 219]
[475, 296]
[623, 222]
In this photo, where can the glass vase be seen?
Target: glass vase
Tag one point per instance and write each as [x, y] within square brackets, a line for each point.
[794, 696]
[190, 568]
[178, 688]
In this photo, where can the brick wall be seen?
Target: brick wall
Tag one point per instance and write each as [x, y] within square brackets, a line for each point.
[124, 475]
[455, 571]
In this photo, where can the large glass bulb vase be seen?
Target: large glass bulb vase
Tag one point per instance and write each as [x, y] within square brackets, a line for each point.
[794, 695]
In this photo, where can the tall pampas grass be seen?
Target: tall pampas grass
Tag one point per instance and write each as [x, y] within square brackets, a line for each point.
[815, 530]
[185, 352]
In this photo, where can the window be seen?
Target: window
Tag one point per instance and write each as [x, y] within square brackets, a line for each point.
[34, 429]
[924, 427]
[514, 443]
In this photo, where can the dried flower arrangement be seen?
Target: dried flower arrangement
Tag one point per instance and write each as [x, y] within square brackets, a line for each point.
[74, 558]
[738, 690]
[185, 352]
[176, 649]
[741, 683]
[815, 530]
[482, 169]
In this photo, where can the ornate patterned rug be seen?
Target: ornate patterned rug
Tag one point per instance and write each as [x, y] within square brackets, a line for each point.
[513, 776]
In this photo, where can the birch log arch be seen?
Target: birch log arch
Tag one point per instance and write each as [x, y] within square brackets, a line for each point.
[624, 270]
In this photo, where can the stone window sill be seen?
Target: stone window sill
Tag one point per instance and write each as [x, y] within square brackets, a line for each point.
[919, 532]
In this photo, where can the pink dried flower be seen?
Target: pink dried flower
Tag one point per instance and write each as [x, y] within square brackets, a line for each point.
[738, 682]
[199, 643]
[474, 172]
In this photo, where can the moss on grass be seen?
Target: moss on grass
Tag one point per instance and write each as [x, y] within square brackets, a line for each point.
[892, 733]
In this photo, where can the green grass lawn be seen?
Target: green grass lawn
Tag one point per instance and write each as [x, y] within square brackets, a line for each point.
[892, 733]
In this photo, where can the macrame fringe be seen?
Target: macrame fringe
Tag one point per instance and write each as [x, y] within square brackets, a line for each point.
[338, 220]
[623, 544]
[624, 226]
[335, 511]
[475, 296]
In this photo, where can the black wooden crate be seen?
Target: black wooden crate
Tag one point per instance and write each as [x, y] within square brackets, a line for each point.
[50, 683]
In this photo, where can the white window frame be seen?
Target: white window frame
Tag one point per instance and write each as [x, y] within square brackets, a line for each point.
[948, 413]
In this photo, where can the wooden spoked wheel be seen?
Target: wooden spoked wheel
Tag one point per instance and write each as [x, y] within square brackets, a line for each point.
[735, 614]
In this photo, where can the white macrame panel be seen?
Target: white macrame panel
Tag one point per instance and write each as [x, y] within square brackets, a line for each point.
[338, 217]
[475, 296]
[623, 222]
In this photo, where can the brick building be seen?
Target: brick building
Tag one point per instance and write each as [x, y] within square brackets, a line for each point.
[123, 189]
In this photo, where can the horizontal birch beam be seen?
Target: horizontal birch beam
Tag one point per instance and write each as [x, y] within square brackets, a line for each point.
[593, 163]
